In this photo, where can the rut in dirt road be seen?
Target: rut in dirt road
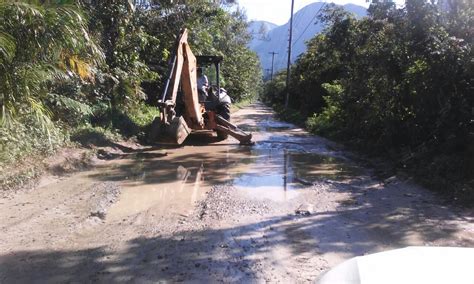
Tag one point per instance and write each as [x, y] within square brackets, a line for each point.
[283, 210]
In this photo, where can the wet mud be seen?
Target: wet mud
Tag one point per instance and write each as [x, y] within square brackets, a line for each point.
[283, 210]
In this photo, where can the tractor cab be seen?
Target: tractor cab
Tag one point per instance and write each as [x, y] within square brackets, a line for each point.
[206, 61]
[217, 99]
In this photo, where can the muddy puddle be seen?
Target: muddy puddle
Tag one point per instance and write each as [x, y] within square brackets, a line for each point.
[171, 181]
[280, 174]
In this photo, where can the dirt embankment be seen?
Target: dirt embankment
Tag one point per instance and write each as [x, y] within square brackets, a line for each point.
[284, 210]
[26, 174]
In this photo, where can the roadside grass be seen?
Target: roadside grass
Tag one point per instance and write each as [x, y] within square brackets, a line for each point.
[241, 104]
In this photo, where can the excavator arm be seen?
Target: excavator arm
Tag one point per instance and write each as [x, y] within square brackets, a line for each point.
[184, 73]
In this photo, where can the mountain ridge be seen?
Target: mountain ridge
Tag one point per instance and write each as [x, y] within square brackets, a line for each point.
[275, 38]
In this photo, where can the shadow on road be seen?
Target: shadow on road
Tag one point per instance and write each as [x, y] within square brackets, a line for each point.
[233, 253]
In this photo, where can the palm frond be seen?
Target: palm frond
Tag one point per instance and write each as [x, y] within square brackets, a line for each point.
[42, 115]
[7, 117]
[34, 36]
[80, 67]
[7, 47]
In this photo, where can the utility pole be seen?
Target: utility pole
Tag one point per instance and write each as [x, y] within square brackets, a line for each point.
[288, 66]
[273, 59]
[267, 71]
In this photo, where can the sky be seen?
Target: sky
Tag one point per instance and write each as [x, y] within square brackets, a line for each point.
[278, 11]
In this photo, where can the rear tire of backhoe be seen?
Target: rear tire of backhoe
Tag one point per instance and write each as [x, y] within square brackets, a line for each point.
[224, 111]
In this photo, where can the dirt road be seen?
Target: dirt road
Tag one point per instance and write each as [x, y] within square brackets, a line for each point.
[283, 210]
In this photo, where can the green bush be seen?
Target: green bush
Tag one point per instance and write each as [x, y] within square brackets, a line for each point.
[143, 115]
[289, 114]
[88, 136]
[329, 121]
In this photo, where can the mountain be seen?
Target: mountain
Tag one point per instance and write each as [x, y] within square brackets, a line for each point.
[259, 31]
[269, 38]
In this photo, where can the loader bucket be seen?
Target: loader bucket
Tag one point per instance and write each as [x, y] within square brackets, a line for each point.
[173, 133]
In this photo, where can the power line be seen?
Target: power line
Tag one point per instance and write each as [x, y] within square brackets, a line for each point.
[279, 59]
[309, 24]
[297, 21]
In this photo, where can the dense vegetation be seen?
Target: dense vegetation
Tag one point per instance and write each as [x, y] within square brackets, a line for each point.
[397, 83]
[69, 67]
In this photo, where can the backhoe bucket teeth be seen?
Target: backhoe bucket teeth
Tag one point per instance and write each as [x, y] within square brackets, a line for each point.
[173, 133]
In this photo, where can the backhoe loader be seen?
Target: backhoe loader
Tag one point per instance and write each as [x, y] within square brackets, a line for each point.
[183, 110]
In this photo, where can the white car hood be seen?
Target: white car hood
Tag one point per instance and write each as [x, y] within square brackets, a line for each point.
[408, 265]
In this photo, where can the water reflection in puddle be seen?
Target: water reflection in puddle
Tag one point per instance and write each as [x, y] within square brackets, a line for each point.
[175, 182]
[278, 174]
[174, 194]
